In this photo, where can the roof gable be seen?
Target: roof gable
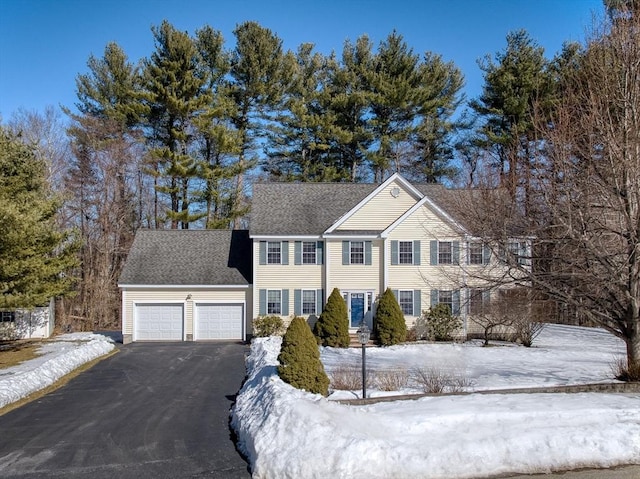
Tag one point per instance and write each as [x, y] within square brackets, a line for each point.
[430, 192]
[188, 257]
[380, 208]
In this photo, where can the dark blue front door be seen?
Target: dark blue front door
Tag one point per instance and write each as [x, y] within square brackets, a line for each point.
[357, 309]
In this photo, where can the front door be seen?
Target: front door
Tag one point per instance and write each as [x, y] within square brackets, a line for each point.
[359, 306]
[357, 309]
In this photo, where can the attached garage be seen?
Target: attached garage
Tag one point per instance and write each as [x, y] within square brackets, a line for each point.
[159, 322]
[218, 321]
[187, 285]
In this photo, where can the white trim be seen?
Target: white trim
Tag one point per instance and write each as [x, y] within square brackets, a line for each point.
[135, 304]
[384, 258]
[285, 238]
[352, 237]
[395, 177]
[184, 286]
[124, 314]
[439, 211]
[243, 332]
[255, 262]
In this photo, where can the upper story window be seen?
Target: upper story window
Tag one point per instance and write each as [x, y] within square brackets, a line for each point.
[356, 252]
[519, 252]
[274, 252]
[308, 252]
[476, 253]
[405, 252]
[445, 252]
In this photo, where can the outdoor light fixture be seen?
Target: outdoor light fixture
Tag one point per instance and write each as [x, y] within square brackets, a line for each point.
[363, 336]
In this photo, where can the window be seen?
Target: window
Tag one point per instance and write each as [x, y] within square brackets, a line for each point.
[274, 303]
[475, 253]
[445, 252]
[274, 252]
[478, 301]
[446, 297]
[518, 251]
[7, 316]
[356, 252]
[308, 252]
[405, 252]
[308, 301]
[405, 299]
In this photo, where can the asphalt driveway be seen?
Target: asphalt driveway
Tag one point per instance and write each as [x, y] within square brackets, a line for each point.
[150, 411]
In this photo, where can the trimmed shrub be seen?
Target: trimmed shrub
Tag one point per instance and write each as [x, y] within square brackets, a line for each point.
[299, 358]
[332, 327]
[440, 323]
[268, 326]
[390, 327]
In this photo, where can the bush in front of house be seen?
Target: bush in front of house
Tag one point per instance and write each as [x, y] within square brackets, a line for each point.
[390, 327]
[299, 358]
[440, 323]
[332, 327]
[268, 326]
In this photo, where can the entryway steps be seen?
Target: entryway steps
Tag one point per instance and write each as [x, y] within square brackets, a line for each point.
[355, 343]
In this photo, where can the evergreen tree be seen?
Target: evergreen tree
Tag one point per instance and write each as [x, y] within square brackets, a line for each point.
[332, 327]
[299, 358]
[34, 254]
[439, 96]
[259, 75]
[349, 102]
[218, 140]
[300, 139]
[389, 325]
[514, 83]
[176, 82]
[395, 81]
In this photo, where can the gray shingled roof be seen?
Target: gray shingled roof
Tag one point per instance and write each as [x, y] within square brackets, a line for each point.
[189, 257]
[302, 208]
[280, 209]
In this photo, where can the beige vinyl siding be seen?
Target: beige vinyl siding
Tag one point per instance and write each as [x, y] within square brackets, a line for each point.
[424, 225]
[278, 276]
[354, 276]
[179, 295]
[381, 210]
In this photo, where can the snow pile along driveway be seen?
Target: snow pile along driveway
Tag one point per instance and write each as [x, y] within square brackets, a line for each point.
[288, 433]
[57, 358]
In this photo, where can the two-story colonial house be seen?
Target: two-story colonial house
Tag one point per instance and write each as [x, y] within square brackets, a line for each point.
[305, 239]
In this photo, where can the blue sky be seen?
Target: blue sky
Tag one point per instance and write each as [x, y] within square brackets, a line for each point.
[45, 44]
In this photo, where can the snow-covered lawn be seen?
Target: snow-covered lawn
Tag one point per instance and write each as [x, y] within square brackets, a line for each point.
[57, 358]
[288, 433]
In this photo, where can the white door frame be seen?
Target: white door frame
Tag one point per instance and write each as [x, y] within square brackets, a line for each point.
[369, 299]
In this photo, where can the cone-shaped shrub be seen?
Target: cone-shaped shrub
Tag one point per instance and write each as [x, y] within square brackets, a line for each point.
[390, 327]
[299, 358]
[332, 327]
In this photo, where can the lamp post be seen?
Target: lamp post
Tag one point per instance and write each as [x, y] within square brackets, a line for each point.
[363, 337]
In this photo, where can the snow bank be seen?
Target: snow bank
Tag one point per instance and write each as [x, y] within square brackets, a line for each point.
[287, 433]
[58, 358]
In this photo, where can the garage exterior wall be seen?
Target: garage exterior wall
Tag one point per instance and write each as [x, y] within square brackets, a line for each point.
[188, 297]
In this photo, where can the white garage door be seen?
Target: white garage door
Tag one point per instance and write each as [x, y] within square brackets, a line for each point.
[159, 322]
[219, 321]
